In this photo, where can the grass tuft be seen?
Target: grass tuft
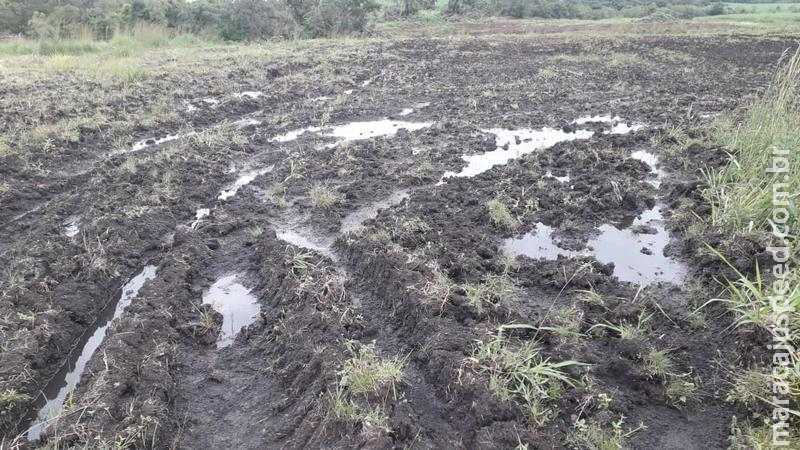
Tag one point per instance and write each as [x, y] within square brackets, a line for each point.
[520, 373]
[366, 373]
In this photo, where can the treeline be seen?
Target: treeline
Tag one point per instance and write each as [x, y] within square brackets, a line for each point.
[237, 20]
[592, 9]
[227, 19]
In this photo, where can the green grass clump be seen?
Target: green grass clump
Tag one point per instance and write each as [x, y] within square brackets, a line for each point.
[749, 299]
[493, 292]
[520, 373]
[366, 373]
[323, 196]
[500, 216]
[741, 194]
[12, 397]
[658, 363]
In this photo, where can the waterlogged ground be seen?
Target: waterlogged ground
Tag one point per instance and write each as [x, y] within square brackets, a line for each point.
[194, 260]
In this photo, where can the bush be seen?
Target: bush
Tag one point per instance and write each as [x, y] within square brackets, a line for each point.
[256, 19]
[322, 18]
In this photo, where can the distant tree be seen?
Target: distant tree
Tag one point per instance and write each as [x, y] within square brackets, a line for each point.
[408, 7]
[454, 7]
[717, 9]
[257, 19]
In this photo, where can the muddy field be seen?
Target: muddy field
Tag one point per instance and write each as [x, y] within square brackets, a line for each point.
[217, 255]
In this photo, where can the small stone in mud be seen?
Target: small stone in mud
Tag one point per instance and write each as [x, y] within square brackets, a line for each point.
[644, 229]
[216, 375]
[646, 251]
[213, 244]
[569, 128]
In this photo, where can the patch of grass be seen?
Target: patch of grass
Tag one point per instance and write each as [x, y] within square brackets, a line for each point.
[494, 291]
[749, 387]
[323, 196]
[658, 363]
[277, 194]
[131, 75]
[207, 323]
[679, 391]
[324, 286]
[620, 60]
[299, 260]
[367, 374]
[590, 296]
[595, 436]
[500, 216]
[439, 287]
[750, 300]
[13, 278]
[546, 74]
[50, 48]
[11, 397]
[520, 373]
[741, 194]
[588, 58]
[256, 231]
[342, 406]
[755, 437]
[625, 330]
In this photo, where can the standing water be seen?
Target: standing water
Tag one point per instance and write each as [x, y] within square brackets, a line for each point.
[237, 305]
[65, 380]
[512, 144]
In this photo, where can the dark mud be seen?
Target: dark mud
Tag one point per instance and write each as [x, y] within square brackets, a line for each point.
[315, 229]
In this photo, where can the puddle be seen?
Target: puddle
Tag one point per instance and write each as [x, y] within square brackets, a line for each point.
[354, 131]
[355, 219]
[709, 115]
[624, 248]
[294, 134]
[144, 143]
[512, 144]
[322, 98]
[564, 179]
[199, 216]
[239, 308]
[536, 244]
[247, 122]
[301, 237]
[407, 111]
[68, 377]
[242, 181]
[72, 226]
[618, 125]
[190, 107]
[651, 160]
[621, 246]
[249, 94]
